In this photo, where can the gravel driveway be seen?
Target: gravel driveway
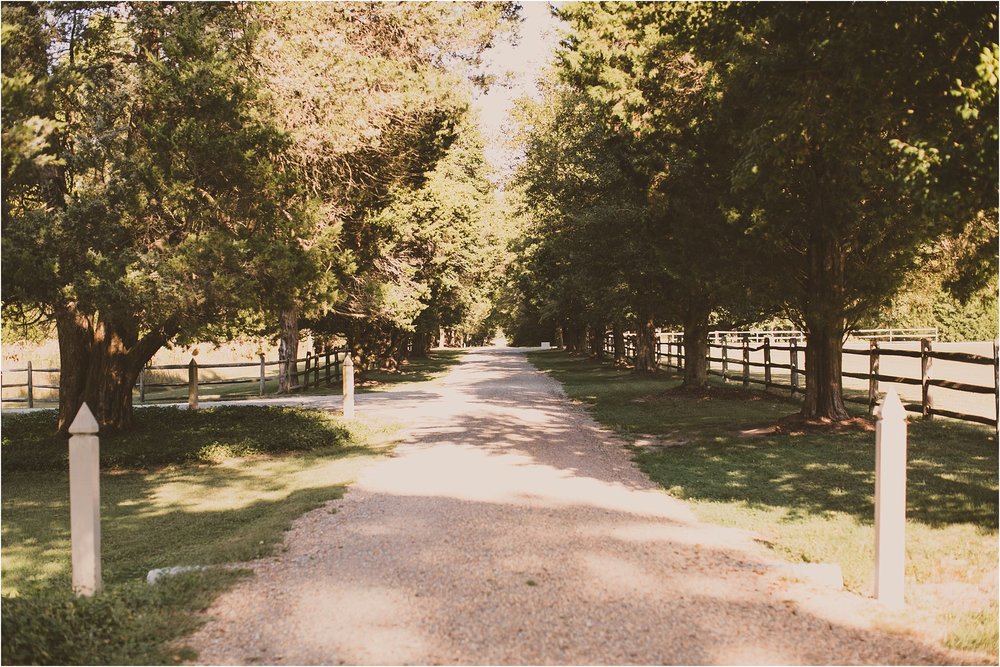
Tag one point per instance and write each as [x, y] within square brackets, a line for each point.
[510, 529]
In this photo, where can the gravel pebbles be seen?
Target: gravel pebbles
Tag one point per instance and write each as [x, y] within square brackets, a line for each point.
[510, 529]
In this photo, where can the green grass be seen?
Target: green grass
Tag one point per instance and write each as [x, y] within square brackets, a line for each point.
[811, 496]
[187, 488]
[436, 364]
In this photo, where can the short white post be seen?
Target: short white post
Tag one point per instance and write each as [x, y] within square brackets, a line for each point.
[348, 387]
[890, 500]
[85, 502]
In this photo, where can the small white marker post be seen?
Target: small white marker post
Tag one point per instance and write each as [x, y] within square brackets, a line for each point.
[85, 502]
[348, 387]
[890, 500]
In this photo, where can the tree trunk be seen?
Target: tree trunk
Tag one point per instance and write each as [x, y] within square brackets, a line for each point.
[619, 341]
[645, 352]
[825, 325]
[288, 350]
[824, 392]
[570, 339]
[100, 362]
[597, 341]
[696, 348]
[421, 345]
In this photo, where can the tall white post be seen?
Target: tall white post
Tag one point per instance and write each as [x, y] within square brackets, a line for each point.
[85, 502]
[348, 387]
[890, 500]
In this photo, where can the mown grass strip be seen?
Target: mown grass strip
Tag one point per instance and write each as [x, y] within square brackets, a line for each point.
[186, 488]
[811, 495]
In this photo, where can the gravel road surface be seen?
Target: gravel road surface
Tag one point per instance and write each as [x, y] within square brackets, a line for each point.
[508, 528]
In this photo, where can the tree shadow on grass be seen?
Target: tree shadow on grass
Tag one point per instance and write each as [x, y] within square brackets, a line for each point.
[952, 473]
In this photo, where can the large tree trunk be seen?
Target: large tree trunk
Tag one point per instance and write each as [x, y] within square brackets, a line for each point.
[825, 325]
[100, 362]
[597, 341]
[618, 335]
[570, 339]
[288, 350]
[421, 345]
[824, 355]
[645, 350]
[696, 347]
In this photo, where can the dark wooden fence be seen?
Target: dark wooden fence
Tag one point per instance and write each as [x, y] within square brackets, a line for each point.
[322, 368]
[740, 368]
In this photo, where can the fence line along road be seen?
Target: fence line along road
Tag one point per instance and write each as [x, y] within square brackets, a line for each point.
[786, 335]
[944, 382]
[322, 368]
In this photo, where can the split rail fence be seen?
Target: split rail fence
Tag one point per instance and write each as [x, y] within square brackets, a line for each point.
[741, 361]
[322, 368]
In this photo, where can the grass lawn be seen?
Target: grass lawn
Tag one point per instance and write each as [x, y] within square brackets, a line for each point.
[811, 496]
[217, 485]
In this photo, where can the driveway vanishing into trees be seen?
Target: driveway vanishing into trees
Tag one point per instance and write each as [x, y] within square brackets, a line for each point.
[508, 528]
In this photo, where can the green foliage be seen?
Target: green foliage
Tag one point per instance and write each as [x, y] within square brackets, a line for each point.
[766, 160]
[128, 624]
[164, 436]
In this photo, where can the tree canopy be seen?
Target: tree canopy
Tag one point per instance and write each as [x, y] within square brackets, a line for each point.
[787, 159]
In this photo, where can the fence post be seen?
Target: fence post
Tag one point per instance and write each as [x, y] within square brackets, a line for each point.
[263, 371]
[767, 362]
[327, 369]
[305, 373]
[872, 375]
[725, 361]
[890, 500]
[142, 385]
[85, 502]
[348, 387]
[193, 385]
[996, 382]
[793, 361]
[925, 375]
[746, 362]
[315, 369]
[31, 388]
[681, 360]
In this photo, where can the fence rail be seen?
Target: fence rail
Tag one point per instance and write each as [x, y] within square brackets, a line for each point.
[322, 368]
[787, 335]
[670, 353]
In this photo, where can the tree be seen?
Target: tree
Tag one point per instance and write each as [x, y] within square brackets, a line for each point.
[146, 206]
[371, 95]
[851, 154]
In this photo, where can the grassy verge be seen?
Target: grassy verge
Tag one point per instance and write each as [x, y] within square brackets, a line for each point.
[186, 488]
[436, 364]
[811, 496]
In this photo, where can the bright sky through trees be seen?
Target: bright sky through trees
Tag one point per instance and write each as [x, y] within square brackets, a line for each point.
[516, 61]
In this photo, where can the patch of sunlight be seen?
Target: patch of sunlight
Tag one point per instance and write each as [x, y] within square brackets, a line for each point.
[245, 484]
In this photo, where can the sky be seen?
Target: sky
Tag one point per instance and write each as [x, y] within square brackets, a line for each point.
[520, 64]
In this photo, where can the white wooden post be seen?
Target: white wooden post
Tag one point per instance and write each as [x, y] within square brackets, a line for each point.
[348, 387]
[890, 500]
[85, 502]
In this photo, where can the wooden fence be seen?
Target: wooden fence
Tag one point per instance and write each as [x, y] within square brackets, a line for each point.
[322, 368]
[733, 363]
[786, 335]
